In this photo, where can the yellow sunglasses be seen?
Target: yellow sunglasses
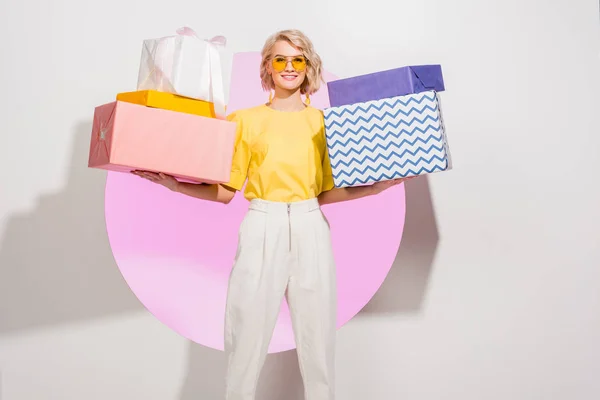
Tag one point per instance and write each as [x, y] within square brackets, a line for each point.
[280, 63]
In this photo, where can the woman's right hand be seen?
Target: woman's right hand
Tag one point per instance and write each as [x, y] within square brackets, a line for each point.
[162, 179]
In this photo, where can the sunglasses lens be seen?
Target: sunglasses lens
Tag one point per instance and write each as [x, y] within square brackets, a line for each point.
[279, 64]
[299, 63]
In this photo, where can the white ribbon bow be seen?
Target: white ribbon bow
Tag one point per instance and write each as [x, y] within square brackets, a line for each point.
[213, 83]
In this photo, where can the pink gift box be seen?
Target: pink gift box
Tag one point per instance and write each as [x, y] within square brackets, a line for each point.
[128, 136]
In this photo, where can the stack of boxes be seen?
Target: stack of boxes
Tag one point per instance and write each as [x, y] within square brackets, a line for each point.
[174, 122]
[381, 126]
[386, 125]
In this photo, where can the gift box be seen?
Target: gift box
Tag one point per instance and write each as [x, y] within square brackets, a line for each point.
[385, 84]
[128, 136]
[168, 101]
[386, 139]
[186, 65]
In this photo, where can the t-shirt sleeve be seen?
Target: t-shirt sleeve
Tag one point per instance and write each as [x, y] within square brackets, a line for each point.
[241, 154]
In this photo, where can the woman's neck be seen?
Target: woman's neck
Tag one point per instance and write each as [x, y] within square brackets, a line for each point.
[287, 101]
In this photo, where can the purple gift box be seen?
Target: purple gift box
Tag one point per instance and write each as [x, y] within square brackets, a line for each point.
[385, 84]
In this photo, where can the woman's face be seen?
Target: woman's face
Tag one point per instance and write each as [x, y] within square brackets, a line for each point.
[288, 78]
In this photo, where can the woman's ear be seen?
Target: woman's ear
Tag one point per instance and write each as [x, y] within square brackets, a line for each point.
[269, 68]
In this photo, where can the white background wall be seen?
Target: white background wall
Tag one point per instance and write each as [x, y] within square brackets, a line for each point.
[495, 294]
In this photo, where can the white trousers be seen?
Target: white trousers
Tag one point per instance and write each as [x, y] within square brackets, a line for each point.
[283, 249]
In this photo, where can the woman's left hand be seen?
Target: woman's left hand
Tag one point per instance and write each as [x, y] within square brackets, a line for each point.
[162, 179]
[379, 187]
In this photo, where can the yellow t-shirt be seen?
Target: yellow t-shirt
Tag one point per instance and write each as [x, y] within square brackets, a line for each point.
[283, 155]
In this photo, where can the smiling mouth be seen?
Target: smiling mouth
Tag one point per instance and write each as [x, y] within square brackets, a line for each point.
[289, 77]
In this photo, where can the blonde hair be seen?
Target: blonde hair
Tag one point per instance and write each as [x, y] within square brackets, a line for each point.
[313, 79]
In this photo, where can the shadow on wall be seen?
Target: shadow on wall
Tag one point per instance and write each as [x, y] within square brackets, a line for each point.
[403, 290]
[56, 265]
[280, 378]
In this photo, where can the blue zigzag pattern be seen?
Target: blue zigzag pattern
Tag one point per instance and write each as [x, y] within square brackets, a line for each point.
[387, 114]
[381, 157]
[332, 143]
[373, 105]
[393, 175]
[340, 153]
[358, 139]
[400, 165]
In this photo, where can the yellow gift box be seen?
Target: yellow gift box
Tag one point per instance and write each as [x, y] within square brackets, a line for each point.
[168, 101]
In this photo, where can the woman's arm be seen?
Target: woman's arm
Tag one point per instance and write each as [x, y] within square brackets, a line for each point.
[337, 195]
[217, 193]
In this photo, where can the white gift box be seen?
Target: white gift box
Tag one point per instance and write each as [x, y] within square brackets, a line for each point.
[386, 139]
[187, 65]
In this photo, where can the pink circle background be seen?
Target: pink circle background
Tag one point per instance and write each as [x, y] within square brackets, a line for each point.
[176, 252]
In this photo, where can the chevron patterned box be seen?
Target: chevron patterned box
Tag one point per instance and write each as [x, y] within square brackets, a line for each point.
[385, 84]
[386, 139]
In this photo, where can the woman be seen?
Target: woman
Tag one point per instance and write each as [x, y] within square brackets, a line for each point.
[284, 246]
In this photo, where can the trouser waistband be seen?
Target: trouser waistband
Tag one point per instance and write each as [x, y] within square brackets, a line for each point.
[298, 207]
